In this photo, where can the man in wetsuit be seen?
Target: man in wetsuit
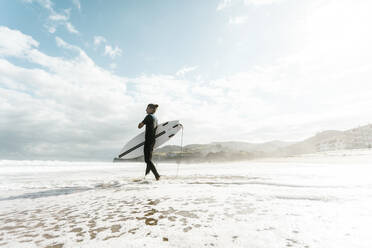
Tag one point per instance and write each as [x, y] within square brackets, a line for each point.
[151, 124]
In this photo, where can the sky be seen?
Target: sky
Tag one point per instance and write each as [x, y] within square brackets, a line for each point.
[77, 75]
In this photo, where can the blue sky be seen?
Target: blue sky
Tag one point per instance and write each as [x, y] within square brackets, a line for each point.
[157, 37]
[75, 75]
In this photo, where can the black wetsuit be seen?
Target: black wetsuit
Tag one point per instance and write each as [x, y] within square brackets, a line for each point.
[151, 125]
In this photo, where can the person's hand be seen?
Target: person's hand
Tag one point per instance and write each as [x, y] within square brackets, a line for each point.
[140, 125]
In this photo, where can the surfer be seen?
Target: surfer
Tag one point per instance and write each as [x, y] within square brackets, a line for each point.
[151, 124]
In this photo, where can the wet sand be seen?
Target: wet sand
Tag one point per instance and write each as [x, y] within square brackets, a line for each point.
[226, 205]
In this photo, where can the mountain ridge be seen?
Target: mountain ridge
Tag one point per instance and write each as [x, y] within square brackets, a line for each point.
[360, 137]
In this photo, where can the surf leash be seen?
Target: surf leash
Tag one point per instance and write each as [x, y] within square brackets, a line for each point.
[178, 164]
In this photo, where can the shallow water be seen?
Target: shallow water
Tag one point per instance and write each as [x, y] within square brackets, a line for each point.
[291, 203]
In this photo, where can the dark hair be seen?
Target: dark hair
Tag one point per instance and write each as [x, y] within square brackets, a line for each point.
[153, 106]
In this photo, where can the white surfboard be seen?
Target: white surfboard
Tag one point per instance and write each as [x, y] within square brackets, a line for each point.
[164, 132]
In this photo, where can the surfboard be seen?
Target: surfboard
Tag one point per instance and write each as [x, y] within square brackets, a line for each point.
[164, 132]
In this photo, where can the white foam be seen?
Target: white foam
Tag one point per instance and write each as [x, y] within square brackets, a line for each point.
[301, 202]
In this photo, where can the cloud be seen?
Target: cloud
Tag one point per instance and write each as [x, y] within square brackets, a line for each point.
[44, 3]
[70, 108]
[224, 4]
[71, 28]
[112, 52]
[64, 44]
[73, 109]
[238, 20]
[55, 18]
[58, 17]
[99, 40]
[261, 2]
[108, 50]
[15, 43]
[55, 105]
[52, 30]
[58, 108]
[185, 70]
[77, 4]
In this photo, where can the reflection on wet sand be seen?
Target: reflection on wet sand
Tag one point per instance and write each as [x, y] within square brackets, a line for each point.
[104, 218]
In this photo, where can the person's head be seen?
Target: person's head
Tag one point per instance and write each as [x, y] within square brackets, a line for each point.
[151, 108]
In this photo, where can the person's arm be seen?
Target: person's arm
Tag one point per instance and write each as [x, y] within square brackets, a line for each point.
[144, 122]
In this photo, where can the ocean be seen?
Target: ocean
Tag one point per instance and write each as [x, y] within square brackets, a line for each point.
[318, 200]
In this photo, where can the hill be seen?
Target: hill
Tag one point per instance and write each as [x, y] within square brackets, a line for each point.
[360, 137]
